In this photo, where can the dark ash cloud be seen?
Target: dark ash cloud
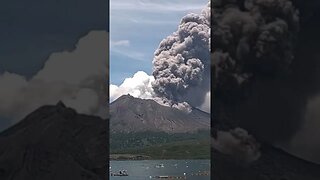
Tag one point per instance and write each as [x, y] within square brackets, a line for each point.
[253, 53]
[254, 59]
[181, 65]
[266, 68]
[237, 143]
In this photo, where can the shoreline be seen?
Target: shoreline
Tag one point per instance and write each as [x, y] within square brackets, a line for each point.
[139, 157]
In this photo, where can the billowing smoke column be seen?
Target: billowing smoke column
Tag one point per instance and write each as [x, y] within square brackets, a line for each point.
[238, 144]
[252, 58]
[182, 63]
[252, 39]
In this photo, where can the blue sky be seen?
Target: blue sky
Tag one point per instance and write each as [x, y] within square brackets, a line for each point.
[136, 29]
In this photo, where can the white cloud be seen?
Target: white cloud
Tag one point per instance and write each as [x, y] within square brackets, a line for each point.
[152, 22]
[137, 86]
[125, 43]
[157, 6]
[77, 78]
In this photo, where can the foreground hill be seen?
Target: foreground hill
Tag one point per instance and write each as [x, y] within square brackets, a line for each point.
[54, 142]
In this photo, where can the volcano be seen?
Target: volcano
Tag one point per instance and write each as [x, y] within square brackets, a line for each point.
[129, 114]
[55, 142]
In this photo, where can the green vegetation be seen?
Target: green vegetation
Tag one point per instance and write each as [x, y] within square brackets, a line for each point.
[160, 145]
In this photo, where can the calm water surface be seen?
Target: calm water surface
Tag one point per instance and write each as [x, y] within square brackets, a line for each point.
[140, 170]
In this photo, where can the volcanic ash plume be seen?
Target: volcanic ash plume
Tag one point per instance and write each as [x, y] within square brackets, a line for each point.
[253, 55]
[238, 144]
[182, 63]
[253, 37]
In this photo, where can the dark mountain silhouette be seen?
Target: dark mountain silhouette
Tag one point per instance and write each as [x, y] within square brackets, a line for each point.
[274, 164]
[129, 114]
[56, 143]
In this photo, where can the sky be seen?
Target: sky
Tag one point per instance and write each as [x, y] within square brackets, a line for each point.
[136, 29]
[31, 30]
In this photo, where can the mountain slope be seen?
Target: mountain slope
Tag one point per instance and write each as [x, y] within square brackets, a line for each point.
[129, 114]
[274, 164]
[54, 142]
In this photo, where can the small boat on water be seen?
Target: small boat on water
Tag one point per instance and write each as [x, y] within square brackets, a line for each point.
[169, 177]
[159, 166]
[120, 173]
[162, 177]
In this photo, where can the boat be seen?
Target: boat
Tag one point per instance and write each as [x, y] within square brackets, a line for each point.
[159, 166]
[120, 173]
[162, 177]
[168, 177]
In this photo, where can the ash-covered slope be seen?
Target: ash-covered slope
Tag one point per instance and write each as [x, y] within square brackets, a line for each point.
[129, 114]
[54, 142]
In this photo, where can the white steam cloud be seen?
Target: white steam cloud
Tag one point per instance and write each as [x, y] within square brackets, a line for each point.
[78, 78]
[138, 86]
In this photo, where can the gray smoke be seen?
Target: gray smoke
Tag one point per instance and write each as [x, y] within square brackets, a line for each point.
[238, 144]
[181, 65]
[253, 53]
[305, 142]
[253, 38]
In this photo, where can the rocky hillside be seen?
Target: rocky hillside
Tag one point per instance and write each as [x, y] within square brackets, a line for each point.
[129, 114]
